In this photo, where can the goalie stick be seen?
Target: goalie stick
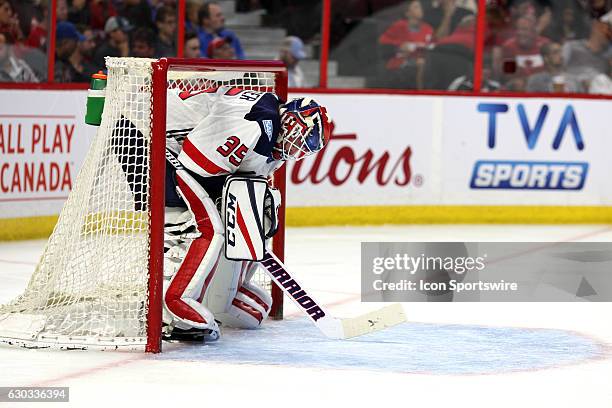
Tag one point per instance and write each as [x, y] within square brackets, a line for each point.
[332, 327]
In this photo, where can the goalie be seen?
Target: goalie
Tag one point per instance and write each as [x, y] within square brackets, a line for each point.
[233, 139]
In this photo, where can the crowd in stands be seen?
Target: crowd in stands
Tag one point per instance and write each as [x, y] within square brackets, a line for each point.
[560, 46]
[87, 31]
[530, 45]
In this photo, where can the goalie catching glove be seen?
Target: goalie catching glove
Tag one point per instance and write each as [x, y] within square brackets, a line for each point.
[272, 205]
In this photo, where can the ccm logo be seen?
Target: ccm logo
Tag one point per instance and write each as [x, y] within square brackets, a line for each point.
[230, 220]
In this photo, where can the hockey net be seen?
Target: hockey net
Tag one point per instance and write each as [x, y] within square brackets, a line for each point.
[98, 282]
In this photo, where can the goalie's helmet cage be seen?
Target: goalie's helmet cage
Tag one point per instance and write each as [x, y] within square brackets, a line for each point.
[305, 129]
[99, 281]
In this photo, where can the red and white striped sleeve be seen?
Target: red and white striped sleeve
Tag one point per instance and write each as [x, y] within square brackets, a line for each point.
[219, 144]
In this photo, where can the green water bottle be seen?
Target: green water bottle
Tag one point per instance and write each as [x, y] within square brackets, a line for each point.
[95, 99]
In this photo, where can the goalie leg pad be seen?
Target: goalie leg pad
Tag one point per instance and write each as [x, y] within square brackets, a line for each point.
[251, 304]
[253, 291]
[179, 229]
[188, 286]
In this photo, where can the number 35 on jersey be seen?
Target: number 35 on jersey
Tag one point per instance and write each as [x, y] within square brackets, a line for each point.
[234, 150]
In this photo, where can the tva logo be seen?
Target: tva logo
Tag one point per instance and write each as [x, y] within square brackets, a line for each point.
[530, 175]
[532, 132]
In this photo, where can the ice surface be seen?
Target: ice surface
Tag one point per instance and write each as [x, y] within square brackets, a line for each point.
[448, 355]
[407, 348]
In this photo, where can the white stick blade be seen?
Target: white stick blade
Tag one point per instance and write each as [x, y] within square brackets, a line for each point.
[377, 320]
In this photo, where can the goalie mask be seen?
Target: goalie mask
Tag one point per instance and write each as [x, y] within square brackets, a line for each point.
[305, 129]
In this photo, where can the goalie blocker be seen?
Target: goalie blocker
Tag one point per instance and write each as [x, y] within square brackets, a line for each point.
[243, 199]
[250, 209]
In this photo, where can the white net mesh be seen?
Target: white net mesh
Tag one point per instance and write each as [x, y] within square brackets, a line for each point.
[90, 287]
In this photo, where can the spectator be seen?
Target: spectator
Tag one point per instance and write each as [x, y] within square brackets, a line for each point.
[520, 54]
[540, 10]
[116, 43]
[567, 25]
[499, 27]
[410, 35]
[596, 8]
[515, 82]
[28, 12]
[601, 84]
[88, 45]
[99, 13]
[607, 19]
[157, 4]
[291, 53]
[37, 37]
[444, 16]
[33, 51]
[13, 69]
[212, 24]
[66, 41]
[221, 48]
[78, 12]
[61, 12]
[589, 58]
[9, 23]
[464, 34]
[553, 79]
[142, 43]
[80, 62]
[137, 12]
[192, 45]
[191, 15]
[165, 21]
[466, 82]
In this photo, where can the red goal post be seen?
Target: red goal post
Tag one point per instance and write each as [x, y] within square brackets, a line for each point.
[99, 282]
[161, 68]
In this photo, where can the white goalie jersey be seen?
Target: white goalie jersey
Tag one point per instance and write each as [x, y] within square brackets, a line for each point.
[213, 133]
[223, 130]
